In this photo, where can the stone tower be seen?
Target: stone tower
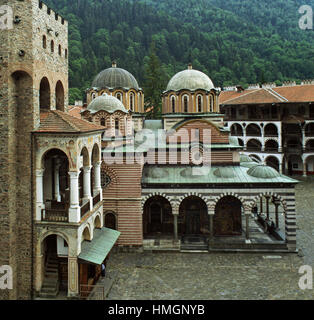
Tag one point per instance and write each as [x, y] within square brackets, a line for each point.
[33, 79]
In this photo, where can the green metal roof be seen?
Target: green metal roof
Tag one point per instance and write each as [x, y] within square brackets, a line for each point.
[198, 175]
[96, 251]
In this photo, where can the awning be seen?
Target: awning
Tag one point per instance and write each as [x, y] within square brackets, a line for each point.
[96, 251]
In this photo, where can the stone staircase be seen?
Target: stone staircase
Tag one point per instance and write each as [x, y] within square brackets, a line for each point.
[50, 287]
[193, 243]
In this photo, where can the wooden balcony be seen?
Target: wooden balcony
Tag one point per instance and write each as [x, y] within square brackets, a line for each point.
[52, 215]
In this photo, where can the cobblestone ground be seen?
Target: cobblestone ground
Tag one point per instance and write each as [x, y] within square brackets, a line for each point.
[220, 276]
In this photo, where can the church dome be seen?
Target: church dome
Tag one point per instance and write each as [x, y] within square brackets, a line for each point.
[190, 80]
[106, 103]
[262, 171]
[115, 78]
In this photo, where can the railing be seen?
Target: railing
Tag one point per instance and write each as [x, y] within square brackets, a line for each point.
[92, 292]
[85, 208]
[51, 215]
[96, 199]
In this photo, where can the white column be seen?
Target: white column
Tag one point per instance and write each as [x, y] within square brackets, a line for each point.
[39, 194]
[303, 139]
[57, 165]
[87, 182]
[73, 278]
[74, 210]
[97, 179]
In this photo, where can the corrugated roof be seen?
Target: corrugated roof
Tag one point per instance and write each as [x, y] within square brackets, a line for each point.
[61, 122]
[96, 251]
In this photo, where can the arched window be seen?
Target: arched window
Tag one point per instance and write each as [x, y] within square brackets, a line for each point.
[173, 104]
[132, 101]
[59, 49]
[116, 124]
[103, 122]
[93, 95]
[211, 104]
[44, 42]
[185, 104]
[199, 104]
[66, 53]
[44, 94]
[119, 96]
[52, 46]
[59, 96]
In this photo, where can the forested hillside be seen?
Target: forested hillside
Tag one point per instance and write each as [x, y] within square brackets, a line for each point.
[233, 41]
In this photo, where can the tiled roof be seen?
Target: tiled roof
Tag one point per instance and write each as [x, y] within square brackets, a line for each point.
[75, 111]
[61, 122]
[300, 93]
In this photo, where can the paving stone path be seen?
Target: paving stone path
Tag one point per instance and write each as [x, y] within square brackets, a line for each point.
[156, 276]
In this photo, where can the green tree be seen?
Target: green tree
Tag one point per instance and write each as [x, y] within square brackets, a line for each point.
[153, 83]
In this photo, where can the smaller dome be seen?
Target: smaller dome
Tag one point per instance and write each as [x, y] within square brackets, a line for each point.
[248, 164]
[106, 103]
[224, 173]
[262, 171]
[158, 173]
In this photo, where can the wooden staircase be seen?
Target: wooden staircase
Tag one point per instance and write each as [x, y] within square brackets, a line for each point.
[50, 287]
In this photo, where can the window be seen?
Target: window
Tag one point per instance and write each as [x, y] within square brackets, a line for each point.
[105, 180]
[116, 124]
[173, 104]
[199, 104]
[44, 42]
[52, 46]
[119, 96]
[66, 53]
[132, 101]
[103, 122]
[93, 95]
[60, 52]
[185, 103]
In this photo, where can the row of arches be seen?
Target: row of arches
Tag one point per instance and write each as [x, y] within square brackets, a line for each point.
[45, 95]
[185, 103]
[254, 130]
[193, 218]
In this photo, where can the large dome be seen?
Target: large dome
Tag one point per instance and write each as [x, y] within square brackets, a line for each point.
[115, 78]
[106, 103]
[191, 80]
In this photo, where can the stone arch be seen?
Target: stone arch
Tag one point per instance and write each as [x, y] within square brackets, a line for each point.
[44, 94]
[255, 201]
[86, 234]
[110, 172]
[51, 233]
[86, 157]
[154, 194]
[271, 145]
[253, 130]
[97, 222]
[59, 96]
[236, 129]
[256, 157]
[254, 145]
[271, 130]
[273, 161]
[194, 194]
[112, 222]
[96, 155]
[41, 158]
[226, 194]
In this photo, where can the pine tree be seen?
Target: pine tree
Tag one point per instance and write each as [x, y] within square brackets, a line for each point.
[154, 84]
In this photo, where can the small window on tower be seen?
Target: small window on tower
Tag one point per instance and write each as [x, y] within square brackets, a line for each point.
[116, 124]
[52, 46]
[186, 106]
[44, 42]
[103, 122]
[173, 102]
[199, 103]
[60, 51]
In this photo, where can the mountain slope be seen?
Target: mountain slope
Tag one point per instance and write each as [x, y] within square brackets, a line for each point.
[233, 41]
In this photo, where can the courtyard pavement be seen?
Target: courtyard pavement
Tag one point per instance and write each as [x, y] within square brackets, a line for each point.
[219, 276]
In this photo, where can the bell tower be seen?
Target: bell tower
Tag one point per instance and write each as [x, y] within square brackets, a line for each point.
[33, 79]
